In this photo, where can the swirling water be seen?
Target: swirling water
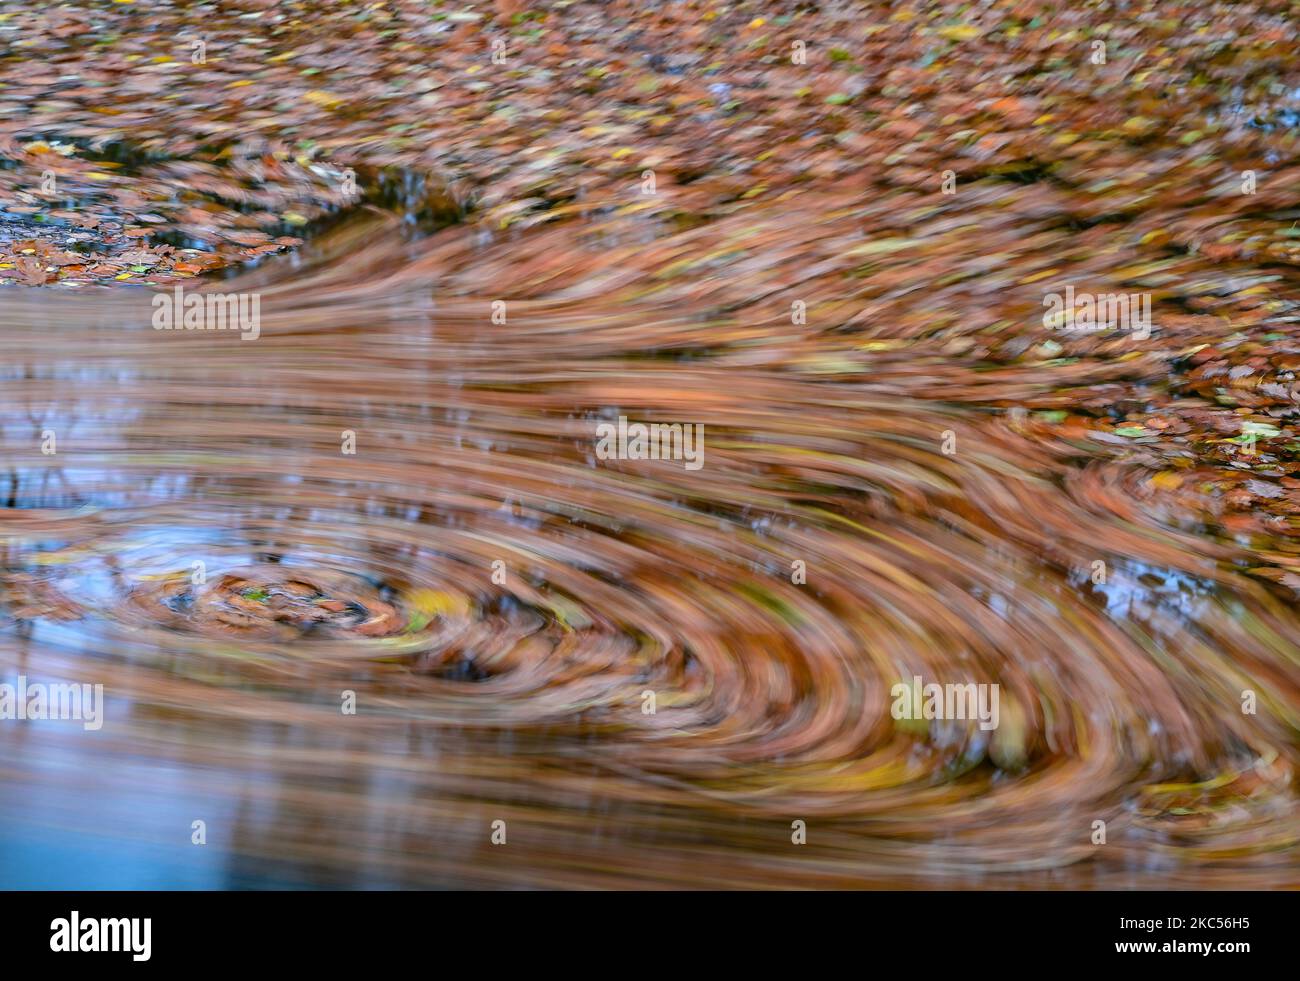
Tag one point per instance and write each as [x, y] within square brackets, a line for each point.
[520, 697]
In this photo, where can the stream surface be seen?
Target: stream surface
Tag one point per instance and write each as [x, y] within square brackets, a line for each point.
[480, 700]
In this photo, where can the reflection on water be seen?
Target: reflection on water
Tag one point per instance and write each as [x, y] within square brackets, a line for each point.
[519, 697]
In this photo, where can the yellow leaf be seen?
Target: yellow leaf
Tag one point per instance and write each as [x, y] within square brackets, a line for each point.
[1214, 783]
[321, 98]
[960, 32]
[568, 612]
[434, 603]
[1040, 275]
[880, 246]
[58, 558]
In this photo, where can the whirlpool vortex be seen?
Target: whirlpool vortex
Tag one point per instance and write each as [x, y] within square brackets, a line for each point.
[501, 607]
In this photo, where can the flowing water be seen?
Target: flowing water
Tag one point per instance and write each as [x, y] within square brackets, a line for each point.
[480, 700]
